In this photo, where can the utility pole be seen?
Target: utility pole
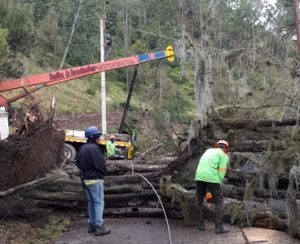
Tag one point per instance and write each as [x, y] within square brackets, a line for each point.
[103, 85]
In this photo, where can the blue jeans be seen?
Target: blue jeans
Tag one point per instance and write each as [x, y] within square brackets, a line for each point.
[95, 196]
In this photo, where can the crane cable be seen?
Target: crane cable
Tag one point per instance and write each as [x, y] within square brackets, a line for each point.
[158, 197]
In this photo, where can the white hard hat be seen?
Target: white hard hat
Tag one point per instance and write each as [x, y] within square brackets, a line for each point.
[223, 142]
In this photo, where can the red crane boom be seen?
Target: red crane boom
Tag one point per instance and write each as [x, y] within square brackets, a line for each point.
[56, 77]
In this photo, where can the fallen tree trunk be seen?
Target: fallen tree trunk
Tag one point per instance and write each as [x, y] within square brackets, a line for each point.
[32, 184]
[111, 200]
[192, 150]
[19, 207]
[133, 212]
[121, 167]
[248, 124]
[243, 213]
[119, 191]
[132, 178]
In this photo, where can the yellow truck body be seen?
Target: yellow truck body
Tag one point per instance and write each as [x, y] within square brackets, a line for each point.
[74, 139]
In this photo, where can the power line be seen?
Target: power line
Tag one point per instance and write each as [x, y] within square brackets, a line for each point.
[150, 33]
[154, 34]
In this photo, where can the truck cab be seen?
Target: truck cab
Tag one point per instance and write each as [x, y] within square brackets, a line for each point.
[74, 139]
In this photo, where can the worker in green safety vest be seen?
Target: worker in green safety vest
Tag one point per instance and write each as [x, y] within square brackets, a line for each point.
[209, 176]
[111, 148]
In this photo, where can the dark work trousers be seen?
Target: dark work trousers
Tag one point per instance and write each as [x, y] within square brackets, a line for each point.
[217, 194]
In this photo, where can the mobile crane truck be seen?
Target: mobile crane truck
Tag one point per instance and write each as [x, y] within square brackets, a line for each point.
[74, 139]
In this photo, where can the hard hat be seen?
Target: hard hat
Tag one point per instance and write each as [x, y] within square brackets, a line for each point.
[224, 143]
[112, 137]
[92, 130]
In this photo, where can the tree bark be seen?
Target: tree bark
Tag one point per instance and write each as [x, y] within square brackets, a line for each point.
[29, 185]
[111, 200]
[117, 168]
[133, 212]
[296, 18]
[251, 124]
[121, 128]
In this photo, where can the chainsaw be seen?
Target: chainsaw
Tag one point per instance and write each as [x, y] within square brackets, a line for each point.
[208, 197]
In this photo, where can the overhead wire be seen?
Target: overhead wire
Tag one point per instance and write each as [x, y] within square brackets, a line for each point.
[154, 34]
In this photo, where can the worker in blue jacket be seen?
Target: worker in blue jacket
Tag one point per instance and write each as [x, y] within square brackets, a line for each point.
[92, 164]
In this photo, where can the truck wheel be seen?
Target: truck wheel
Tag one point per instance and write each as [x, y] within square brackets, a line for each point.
[70, 152]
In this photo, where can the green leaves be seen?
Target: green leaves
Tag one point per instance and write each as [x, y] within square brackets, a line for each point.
[4, 49]
[17, 18]
[47, 33]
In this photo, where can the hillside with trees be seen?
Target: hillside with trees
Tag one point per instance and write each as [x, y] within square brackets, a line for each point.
[229, 54]
[235, 76]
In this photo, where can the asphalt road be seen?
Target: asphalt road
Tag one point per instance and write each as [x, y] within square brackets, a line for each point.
[155, 231]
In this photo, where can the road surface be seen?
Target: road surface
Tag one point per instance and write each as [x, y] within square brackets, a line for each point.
[155, 231]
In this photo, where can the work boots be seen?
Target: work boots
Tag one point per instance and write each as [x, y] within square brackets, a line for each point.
[200, 222]
[101, 230]
[92, 228]
[221, 230]
[201, 227]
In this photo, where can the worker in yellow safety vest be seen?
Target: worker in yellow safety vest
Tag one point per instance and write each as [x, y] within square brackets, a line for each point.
[209, 176]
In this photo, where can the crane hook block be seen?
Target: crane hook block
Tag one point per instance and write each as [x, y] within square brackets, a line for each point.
[170, 53]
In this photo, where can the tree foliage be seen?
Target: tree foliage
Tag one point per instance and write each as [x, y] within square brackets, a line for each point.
[246, 46]
[4, 50]
[17, 18]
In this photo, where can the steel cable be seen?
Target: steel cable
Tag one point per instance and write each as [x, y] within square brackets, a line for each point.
[158, 197]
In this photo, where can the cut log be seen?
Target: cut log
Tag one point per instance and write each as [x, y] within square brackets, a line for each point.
[131, 178]
[67, 184]
[111, 200]
[54, 196]
[50, 177]
[121, 167]
[19, 207]
[133, 212]
[250, 124]
[33, 209]
[127, 188]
